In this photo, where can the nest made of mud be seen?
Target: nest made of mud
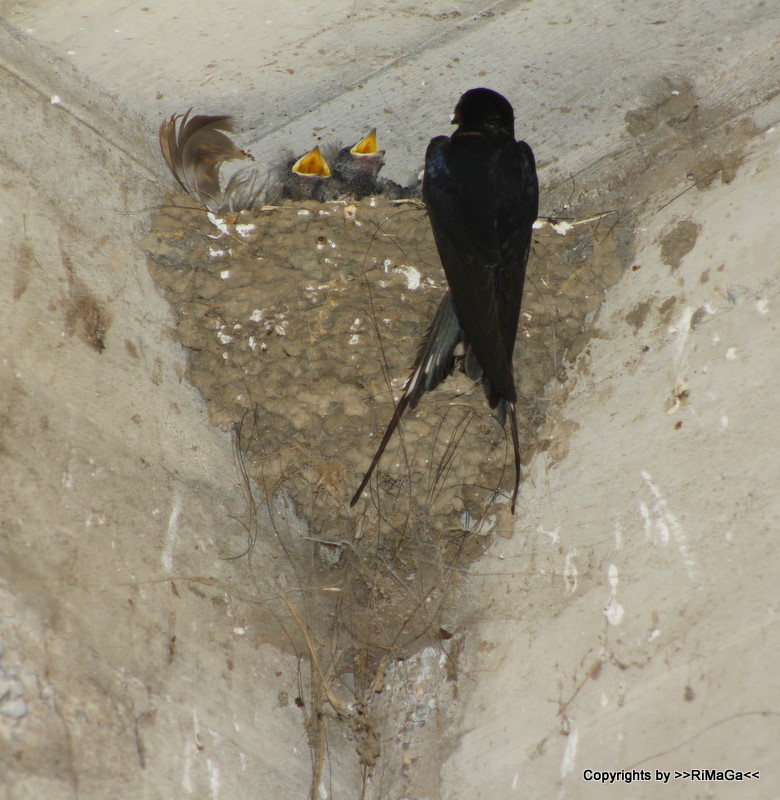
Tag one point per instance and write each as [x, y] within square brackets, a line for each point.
[302, 322]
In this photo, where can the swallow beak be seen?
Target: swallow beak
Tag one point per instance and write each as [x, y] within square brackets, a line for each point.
[456, 118]
[312, 164]
[366, 146]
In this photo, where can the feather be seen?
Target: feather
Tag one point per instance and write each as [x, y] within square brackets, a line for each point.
[194, 148]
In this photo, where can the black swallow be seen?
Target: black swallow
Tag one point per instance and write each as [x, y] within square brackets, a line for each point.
[482, 194]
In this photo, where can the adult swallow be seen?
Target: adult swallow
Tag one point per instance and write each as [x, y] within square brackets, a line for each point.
[482, 195]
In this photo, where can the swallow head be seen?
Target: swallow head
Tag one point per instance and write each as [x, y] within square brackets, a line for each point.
[484, 111]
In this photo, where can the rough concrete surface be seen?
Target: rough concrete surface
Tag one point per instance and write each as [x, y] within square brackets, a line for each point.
[630, 619]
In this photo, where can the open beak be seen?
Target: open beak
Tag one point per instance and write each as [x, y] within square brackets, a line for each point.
[312, 164]
[367, 146]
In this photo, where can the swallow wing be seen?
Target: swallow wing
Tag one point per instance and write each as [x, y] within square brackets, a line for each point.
[517, 204]
[481, 196]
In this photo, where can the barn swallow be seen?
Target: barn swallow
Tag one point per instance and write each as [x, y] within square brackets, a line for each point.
[482, 195]
[307, 178]
[356, 168]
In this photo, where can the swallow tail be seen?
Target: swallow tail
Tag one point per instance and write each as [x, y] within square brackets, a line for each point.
[435, 361]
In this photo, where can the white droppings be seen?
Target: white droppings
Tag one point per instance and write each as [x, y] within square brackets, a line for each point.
[304, 212]
[762, 306]
[723, 422]
[682, 329]
[553, 534]
[614, 610]
[569, 754]
[214, 780]
[412, 275]
[561, 227]
[354, 339]
[257, 315]
[170, 536]
[731, 354]
[13, 707]
[94, 517]
[645, 514]
[239, 631]
[666, 524]
[355, 325]
[387, 263]
[196, 726]
[613, 576]
[56, 100]
[224, 338]
[245, 229]
[216, 252]
[186, 776]
[225, 274]
[219, 224]
[570, 571]
[252, 343]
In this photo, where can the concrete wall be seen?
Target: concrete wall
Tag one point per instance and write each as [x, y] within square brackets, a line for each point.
[632, 619]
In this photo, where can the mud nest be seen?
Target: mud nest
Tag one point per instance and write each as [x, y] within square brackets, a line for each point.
[302, 322]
